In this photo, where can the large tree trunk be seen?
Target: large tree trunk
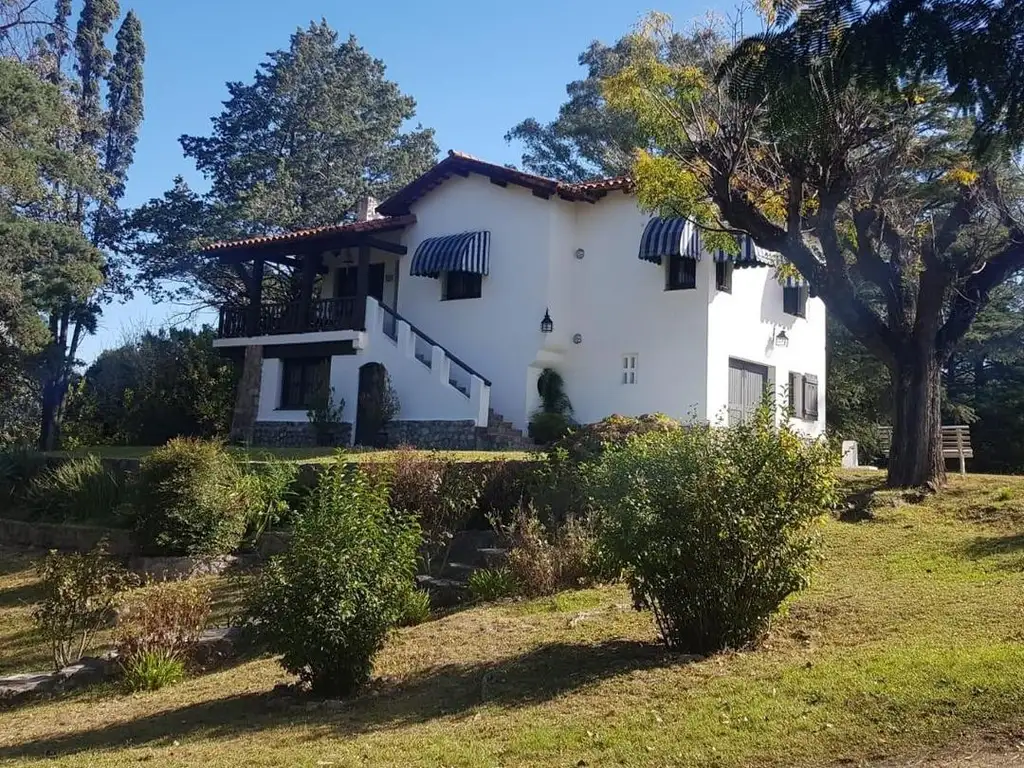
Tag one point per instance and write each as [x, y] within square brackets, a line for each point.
[916, 456]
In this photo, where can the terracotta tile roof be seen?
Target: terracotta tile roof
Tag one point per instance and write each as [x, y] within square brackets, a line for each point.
[460, 163]
[386, 224]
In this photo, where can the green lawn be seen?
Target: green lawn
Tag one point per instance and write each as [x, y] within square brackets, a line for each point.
[299, 455]
[910, 640]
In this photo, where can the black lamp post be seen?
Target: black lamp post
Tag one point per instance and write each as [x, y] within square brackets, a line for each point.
[547, 325]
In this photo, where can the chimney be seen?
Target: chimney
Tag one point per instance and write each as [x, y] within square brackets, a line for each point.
[367, 209]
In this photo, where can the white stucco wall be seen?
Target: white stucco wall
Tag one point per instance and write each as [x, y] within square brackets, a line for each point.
[742, 325]
[498, 334]
[620, 306]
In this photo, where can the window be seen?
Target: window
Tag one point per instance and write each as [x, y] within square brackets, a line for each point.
[723, 276]
[803, 396]
[794, 300]
[462, 285]
[682, 273]
[629, 369]
[301, 380]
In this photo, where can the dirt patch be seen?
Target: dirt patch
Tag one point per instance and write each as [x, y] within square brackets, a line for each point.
[991, 752]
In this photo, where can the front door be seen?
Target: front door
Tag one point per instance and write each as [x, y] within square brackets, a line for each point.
[747, 385]
[345, 285]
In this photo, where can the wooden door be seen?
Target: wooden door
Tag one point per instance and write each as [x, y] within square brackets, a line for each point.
[747, 385]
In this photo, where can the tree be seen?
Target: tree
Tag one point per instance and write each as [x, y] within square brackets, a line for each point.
[874, 195]
[317, 129]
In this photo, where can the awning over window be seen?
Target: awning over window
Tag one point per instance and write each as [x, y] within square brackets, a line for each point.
[464, 252]
[678, 236]
[674, 236]
[795, 282]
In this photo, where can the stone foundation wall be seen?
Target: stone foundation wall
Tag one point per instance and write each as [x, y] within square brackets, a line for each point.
[296, 434]
[447, 435]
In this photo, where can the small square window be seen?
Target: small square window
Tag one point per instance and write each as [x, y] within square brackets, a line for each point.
[723, 276]
[794, 300]
[629, 369]
[682, 273]
[462, 285]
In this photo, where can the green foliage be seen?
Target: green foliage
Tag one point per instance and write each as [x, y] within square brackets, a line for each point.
[152, 670]
[415, 608]
[19, 466]
[379, 406]
[486, 586]
[272, 160]
[329, 603]
[189, 500]
[547, 428]
[78, 490]
[269, 490]
[325, 415]
[441, 494]
[164, 619]
[545, 559]
[712, 527]
[78, 596]
[144, 392]
[589, 441]
[551, 421]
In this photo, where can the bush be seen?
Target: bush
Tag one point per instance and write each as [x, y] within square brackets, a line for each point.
[711, 527]
[269, 490]
[588, 442]
[165, 619]
[553, 418]
[18, 467]
[152, 670]
[547, 428]
[78, 595]
[442, 494]
[415, 609]
[542, 562]
[324, 416]
[77, 490]
[330, 601]
[494, 584]
[189, 500]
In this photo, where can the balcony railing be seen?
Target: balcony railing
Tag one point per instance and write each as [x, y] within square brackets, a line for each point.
[294, 317]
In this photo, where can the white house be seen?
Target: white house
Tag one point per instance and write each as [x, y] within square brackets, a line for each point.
[448, 285]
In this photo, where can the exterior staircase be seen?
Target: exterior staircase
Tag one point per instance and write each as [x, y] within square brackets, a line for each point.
[502, 435]
[471, 551]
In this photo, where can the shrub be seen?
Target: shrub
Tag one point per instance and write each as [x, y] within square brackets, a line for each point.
[543, 560]
[152, 670]
[559, 489]
[78, 490]
[588, 442]
[325, 415]
[493, 584]
[553, 418]
[415, 608]
[269, 491]
[78, 595]
[330, 601]
[712, 526]
[18, 467]
[547, 428]
[442, 494]
[189, 500]
[166, 619]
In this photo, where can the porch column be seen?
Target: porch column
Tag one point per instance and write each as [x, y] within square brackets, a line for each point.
[247, 398]
[255, 291]
[311, 264]
[362, 288]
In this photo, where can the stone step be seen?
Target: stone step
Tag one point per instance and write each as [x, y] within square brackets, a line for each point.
[444, 593]
[458, 571]
[492, 557]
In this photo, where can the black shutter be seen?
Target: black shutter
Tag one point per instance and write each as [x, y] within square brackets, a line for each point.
[810, 396]
[723, 276]
[796, 395]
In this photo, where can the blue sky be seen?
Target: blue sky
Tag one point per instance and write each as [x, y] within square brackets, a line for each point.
[475, 68]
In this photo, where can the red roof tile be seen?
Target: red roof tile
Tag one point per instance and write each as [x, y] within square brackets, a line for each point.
[386, 224]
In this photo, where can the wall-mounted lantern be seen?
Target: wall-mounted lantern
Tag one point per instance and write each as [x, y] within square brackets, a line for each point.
[547, 325]
[781, 339]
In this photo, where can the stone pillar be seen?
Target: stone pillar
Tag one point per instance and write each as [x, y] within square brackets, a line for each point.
[247, 399]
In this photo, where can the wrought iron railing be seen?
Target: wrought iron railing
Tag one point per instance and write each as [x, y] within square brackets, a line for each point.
[293, 317]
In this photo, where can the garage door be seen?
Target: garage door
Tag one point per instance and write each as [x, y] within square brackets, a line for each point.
[747, 384]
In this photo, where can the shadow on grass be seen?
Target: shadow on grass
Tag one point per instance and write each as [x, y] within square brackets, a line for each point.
[996, 546]
[23, 651]
[450, 690]
[21, 596]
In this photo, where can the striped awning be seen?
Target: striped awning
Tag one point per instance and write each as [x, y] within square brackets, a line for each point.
[464, 252]
[795, 282]
[678, 236]
[673, 236]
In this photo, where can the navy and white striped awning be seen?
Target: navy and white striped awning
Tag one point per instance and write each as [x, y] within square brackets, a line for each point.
[678, 236]
[795, 282]
[673, 236]
[464, 252]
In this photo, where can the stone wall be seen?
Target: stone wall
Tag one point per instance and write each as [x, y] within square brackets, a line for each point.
[69, 538]
[296, 434]
[448, 435]
[247, 397]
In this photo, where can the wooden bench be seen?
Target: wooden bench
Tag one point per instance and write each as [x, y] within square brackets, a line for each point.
[956, 443]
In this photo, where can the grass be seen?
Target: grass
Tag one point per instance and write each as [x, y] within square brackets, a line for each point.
[297, 455]
[909, 640]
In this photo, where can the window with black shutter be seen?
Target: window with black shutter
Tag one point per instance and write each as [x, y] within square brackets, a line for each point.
[723, 276]
[810, 396]
[682, 273]
[302, 380]
[794, 300]
[796, 395]
[462, 285]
